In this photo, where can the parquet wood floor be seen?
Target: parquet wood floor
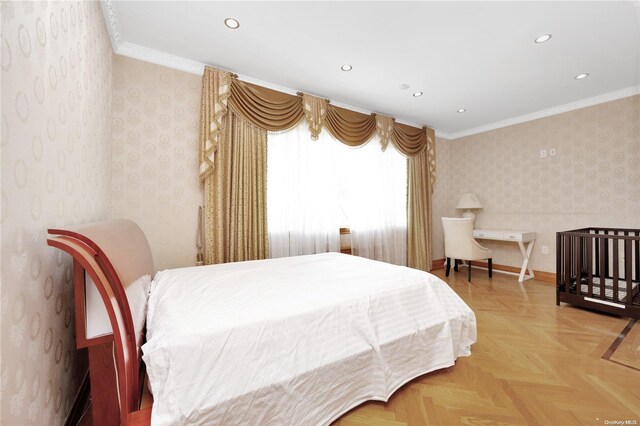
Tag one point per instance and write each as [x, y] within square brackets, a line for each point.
[534, 363]
[628, 353]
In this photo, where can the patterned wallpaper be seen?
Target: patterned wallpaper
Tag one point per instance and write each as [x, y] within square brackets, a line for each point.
[444, 196]
[593, 180]
[156, 115]
[56, 152]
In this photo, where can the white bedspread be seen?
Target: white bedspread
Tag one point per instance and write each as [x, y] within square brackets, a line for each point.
[294, 341]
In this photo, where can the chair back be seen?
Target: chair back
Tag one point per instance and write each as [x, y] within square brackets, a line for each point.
[458, 237]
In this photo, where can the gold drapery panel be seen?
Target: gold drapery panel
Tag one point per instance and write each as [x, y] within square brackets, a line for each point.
[215, 93]
[350, 127]
[385, 130]
[235, 195]
[315, 111]
[235, 118]
[419, 212]
[265, 108]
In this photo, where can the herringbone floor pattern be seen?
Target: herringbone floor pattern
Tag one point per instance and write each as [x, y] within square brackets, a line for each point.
[534, 363]
[628, 353]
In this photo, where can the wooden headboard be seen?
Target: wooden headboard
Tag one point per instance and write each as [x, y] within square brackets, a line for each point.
[109, 255]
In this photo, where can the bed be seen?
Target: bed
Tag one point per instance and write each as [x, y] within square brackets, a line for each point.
[599, 269]
[297, 340]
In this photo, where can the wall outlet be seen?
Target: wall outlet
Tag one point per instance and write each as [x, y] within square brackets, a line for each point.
[552, 152]
[545, 249]
[543, 153]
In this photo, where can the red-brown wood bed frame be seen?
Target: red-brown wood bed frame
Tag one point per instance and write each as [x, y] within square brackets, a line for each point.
[113, 254]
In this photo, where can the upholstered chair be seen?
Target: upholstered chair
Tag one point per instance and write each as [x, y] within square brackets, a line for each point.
[459, 244]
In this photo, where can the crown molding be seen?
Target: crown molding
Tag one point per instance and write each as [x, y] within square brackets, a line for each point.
[443, 135]
[157, 57]
[160, 58]
[121, 47]
[111, 19]
[194, 67]
[571, 106]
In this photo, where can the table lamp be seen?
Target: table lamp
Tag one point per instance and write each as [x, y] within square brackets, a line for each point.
[467, 202]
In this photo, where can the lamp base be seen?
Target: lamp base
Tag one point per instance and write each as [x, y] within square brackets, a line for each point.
[469, 214]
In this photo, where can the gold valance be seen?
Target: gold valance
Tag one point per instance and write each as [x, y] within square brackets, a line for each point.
[431, 155]
[350, 127]
[215, 94]
[315, 110]
[409, 140]
[276, 111]
[385, 130]
[268, 109]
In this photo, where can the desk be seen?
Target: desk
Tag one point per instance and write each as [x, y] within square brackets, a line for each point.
[520, 237]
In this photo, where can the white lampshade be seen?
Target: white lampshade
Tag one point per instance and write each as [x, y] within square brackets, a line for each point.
[469, 201]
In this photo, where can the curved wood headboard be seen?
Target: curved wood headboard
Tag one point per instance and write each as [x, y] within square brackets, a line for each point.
[120, 243]
[113, 254]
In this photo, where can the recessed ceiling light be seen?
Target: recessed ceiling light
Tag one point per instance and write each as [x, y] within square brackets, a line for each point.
[346, 67]
[417, 94]
[403, 87]
[543, 38]
[581, 76]
[232, 23]
[461, 110]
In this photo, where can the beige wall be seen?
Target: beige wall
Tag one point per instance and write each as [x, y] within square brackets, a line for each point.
[594, 179]
[444, 195]
[56, 155]
[156, 116]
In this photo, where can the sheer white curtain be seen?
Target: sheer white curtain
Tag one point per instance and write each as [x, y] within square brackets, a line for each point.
[316, 187]
[377, 202]
[303, 215]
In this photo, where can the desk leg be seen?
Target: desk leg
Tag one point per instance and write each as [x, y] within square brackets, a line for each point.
[529, 250]
[526, 253]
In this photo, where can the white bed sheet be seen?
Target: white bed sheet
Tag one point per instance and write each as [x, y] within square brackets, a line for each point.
[294, 341]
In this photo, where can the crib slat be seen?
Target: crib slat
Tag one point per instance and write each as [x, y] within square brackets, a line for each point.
[583, 247]
[627, 271]
[567, 262]
[616, 269]
[603, 276]
[578, 264]
[605, 250]
[559, 268]
[590, 266]
[637, 257]
[597, 240]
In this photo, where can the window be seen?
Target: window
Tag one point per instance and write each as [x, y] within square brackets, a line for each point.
[316, 187]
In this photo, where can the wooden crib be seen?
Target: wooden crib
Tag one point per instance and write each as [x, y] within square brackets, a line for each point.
[599, 269]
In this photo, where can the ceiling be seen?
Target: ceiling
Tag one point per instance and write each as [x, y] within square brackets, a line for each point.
[479, 56]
